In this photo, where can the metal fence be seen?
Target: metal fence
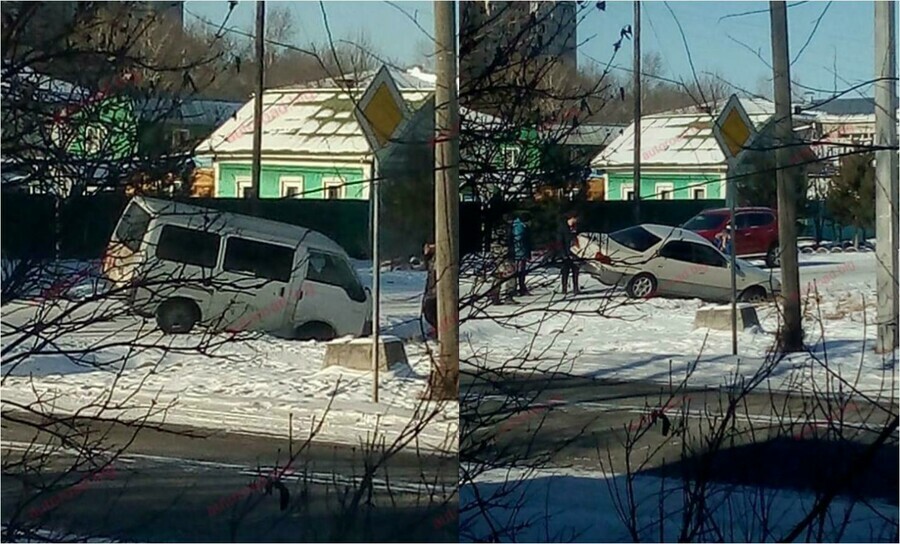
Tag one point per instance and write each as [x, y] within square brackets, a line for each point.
[45, 227]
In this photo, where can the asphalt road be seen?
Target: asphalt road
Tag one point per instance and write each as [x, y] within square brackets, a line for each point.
[184, 484]
[772, 440]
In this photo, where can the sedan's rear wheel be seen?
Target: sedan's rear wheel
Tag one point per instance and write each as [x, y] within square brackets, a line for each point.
[754, 295]
[641, 286]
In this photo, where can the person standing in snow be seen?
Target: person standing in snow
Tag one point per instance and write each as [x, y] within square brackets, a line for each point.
[429, 300]
[566, 240]
[724, 240]
[503, 284]
[520, 250]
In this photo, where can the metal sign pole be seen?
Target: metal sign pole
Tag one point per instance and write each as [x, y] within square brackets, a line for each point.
[732, 196]
[376, 281]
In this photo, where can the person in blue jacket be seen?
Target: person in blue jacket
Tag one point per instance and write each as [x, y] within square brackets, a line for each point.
[724, 240]
[520, 251]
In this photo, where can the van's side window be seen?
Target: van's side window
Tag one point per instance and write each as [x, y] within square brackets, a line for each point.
[333, 270]
[188, 246]
[264, 260]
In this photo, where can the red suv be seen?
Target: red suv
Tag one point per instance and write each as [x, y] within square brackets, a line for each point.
[756, 234]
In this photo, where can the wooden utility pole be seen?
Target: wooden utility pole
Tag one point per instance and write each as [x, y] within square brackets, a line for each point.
[887, 185]
[637, 111]
[792, 331]
[258, 99]
[444, 382]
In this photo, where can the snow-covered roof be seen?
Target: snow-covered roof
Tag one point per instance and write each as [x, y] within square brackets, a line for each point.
[45, 89]
[586, 134]
[680, 137]
[188, 111]
[412, 79]
[301, 121]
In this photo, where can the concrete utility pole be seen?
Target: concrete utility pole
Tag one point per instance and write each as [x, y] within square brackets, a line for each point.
[258, 99]
[887, 185]
[792, 331]
[637, 111]
[444, 382]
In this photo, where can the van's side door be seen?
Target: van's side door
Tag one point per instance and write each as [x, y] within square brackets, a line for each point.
[254, 284]
[332, 294]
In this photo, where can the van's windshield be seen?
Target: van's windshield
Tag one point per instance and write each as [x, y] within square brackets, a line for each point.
[132, 227]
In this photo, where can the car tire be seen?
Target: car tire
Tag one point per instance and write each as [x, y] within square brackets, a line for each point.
[320, 332]
[177, 316]
[754, 295]
[641, 286]
[773, 257]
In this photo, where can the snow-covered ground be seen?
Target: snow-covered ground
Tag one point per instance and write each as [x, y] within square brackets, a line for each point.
[565, 505]
[639, 340]
[248, 384]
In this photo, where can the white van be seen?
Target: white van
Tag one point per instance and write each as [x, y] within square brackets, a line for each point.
[187, 265]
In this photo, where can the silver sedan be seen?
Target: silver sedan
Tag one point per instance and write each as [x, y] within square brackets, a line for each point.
[650, 260]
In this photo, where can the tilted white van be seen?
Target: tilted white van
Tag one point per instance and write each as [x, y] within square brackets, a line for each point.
[188, 265]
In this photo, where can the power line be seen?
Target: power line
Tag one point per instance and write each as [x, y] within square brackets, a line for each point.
[813, 33]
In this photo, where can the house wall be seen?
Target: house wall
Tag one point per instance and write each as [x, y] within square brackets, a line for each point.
[227, 175]
[681, 184]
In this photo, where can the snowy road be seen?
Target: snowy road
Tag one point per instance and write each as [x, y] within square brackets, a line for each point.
[169, 487]
[249, 383]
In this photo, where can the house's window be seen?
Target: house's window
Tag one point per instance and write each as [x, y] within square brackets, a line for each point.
[627, 193]
[511, 156]
[180, 137]
[270, 261]
[291, 187]
[94, 139]
[664, 191]
[188, 246]
[244, 187]
[698, 193]
[333, 189]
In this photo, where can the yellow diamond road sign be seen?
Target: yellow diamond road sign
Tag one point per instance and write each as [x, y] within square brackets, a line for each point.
[733, 129]
[381, 110]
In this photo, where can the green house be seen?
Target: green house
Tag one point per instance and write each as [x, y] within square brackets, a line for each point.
[62, 137]
[312, 145]
[680, 158]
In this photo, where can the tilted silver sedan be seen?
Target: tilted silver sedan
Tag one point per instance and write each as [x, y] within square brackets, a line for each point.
[650, 260]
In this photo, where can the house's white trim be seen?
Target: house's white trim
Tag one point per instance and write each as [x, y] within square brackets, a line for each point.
[334, 181]
[291, 181]
[659, 187]
[216, 180]
[240, 182]
[318, 162]
[723, 186]
[626, 188]
[605, 179]
[692, 188]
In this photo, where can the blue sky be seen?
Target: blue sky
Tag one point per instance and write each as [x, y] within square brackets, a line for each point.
[843, 38]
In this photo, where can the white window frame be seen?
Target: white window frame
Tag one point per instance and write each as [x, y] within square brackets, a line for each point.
[511, 156]
[626, 190]
[291, 181]
[340, 183]
[668, 187]
[240, 183]
[694, 193]
[184, 135]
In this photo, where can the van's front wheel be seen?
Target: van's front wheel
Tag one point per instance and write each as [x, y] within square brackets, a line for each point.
[177, 315]
[319, 332]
